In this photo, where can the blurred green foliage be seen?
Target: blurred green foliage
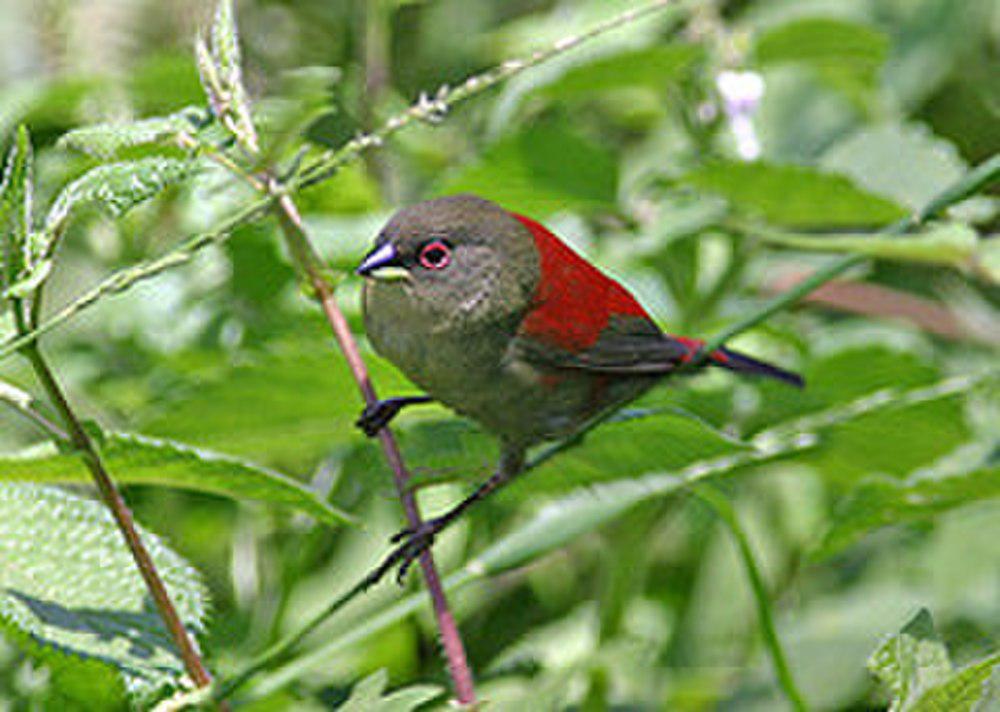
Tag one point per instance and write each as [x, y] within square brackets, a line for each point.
[594, 583]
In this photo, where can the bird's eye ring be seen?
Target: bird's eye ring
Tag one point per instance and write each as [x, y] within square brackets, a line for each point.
[435, 255]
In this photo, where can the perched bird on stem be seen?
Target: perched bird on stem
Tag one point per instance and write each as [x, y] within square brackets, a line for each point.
[498, 319]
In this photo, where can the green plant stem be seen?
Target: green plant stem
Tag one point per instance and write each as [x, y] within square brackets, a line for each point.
[765, 617]
[123, 517]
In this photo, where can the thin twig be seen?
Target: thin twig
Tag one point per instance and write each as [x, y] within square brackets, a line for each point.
[23, 404]
[309, 263]
[433, 108]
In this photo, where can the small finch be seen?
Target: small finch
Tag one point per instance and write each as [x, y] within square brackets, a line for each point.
[498, 319]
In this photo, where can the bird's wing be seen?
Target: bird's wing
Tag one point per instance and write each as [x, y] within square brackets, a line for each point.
[627, 345]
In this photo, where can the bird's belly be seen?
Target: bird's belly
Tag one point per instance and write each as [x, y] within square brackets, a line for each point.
[471, 371]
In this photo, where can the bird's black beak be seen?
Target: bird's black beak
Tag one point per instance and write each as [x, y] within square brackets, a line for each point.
[382, 263]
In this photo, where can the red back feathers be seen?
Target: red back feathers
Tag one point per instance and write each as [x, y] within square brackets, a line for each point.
[574, 301]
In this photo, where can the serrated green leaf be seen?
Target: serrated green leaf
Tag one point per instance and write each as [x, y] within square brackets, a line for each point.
[368, 696]
[846, 54]
[965, 691]
[951, 244]
[886, 502]
[543, 169]
[794, 196]
[70, 592]
[912, 661]
[107, 140]
[220, 65]
[116, 187]
[650, 67]
[138, 459]
[16, 212]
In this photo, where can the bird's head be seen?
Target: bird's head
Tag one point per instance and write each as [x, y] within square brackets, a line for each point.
[456, 255]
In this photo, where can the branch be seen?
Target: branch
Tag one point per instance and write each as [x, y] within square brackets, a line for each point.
[23, 404]
[310, 264]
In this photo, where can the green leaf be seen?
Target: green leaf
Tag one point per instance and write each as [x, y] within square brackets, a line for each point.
[967, 690]
[651, 67]
[116, 187]
[543, 169]
[659, 441]
[886, 502]
[904, 163]
[16, 213]
[951, 244]
[846, 54]
[794, 196]
[290, 405]
[368, 695]
[894, 440]
[137, 459]
[105, 141]
[912, 661]
[220, 66]
[70, 593]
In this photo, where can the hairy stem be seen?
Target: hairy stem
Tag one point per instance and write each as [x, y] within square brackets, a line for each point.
[765, 616]
[308, 262]
[122, 515]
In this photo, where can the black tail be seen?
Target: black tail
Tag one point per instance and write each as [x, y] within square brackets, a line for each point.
[741, 363]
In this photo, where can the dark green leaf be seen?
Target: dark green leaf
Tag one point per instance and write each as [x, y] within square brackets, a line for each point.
[651, 67]
[289, 406]
[136, 459]
[794, 196]
[885, 502]
[70, 593]
[847, 54]
[539, 171]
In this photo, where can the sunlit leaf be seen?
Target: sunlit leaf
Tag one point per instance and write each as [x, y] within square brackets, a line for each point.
[136, 459]
[107, 140]
[542, 169]
[70, 593]
[116, 187]
[912, 661]
[794, 196]
[650, 67]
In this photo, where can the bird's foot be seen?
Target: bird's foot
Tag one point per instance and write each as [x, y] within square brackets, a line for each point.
[412, 542]
[378, 415]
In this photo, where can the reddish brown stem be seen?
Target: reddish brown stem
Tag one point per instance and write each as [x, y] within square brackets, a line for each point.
[298, 242]
[123, 518]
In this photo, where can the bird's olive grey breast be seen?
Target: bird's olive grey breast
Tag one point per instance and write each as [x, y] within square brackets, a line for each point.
[448, 331]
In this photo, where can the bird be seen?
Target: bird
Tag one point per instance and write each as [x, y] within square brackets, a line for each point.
[494, 316]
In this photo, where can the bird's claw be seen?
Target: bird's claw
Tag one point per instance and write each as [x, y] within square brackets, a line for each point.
[412, 543]
[377, 415]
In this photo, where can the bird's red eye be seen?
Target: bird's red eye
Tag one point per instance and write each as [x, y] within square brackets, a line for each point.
[435, 255]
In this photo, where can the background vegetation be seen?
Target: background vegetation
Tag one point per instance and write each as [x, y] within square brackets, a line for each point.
[858, 511]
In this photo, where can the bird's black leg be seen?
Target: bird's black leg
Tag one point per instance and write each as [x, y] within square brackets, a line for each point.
[378, 415]
[413, 542]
